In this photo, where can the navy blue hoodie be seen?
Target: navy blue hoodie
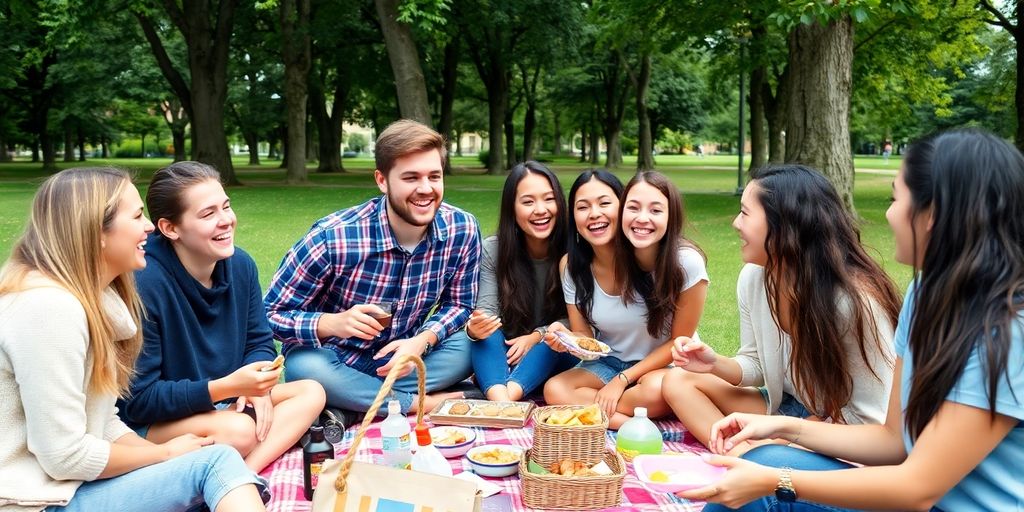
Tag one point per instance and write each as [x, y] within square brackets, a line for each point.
[193, 334]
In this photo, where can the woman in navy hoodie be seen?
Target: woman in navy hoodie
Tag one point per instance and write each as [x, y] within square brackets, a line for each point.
[206, 338]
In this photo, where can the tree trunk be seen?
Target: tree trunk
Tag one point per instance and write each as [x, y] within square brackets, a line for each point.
[510, 138]
[595, 145]
[645, 150]
[558, 133]
[295, 51]
[450, 75]
[178, 136]
[35, 150]
[329, 124]
[818, 127]
[81, 144]
[4, 155]
[272, 149]
[312, 143]
[497, 98]
[405, 63]
[458, 141]
[616, 89]
[282, 133]
[176, 120]
[105, 147]
[775, 115]
[49, 152]
[758, 143]
[583, 145]
[529, 125]
[252, 141]
[69, 141]
[143, 145]
[208, 39]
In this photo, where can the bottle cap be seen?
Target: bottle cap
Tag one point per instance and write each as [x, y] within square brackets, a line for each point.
[423, 435]
[394, 407]
[640, 412]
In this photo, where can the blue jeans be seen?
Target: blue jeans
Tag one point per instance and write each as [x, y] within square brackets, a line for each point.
[185, 482]
[354, 387]
[606, 368]
[490, 364]
[777, 456]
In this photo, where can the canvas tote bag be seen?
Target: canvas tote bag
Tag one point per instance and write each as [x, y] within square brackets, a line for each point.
[351, 486]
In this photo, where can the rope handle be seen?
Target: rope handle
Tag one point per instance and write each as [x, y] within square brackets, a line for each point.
[385, 389]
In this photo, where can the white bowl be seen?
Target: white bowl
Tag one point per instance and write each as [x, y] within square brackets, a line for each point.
[451, 451]
[495, 470]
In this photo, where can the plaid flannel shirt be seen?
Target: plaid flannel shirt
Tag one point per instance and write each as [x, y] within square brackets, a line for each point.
[351, 257]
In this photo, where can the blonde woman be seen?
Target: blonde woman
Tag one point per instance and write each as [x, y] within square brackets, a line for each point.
[69, 333]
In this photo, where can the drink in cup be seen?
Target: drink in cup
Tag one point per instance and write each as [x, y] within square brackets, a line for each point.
[385, 319]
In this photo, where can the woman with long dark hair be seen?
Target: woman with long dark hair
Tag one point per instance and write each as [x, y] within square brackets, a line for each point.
[520, 290]
[637, 287]
[817, 315]
[953, 438]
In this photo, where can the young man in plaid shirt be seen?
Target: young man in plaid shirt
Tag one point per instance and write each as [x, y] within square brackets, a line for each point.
[406, 248]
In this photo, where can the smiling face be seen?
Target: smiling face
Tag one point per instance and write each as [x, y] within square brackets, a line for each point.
[596, 212]
[752, 225]
[124, 239]
[909, 231]
[204, 233]
[414, 187]
[536, 208]
[645, 215]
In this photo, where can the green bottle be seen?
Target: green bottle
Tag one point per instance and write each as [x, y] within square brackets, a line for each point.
[638, 436]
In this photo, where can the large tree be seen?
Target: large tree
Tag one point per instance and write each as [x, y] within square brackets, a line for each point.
[405, 63]
[206, 27]
[1007, 16]
[295, 52]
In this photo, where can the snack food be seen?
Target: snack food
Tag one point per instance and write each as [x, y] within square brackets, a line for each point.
[275, 364]
[513, 411]
[589, 415]
[491, 410]
[583, 347]
[569, 467]
[589, 344]
[459, 408]
[495, 456]
[449, 437]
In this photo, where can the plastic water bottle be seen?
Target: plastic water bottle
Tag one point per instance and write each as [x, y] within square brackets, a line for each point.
[639, 435]
[427, 459]
[395, 437]
[314, 453]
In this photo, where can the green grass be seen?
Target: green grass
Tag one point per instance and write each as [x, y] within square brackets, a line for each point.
[272, 216]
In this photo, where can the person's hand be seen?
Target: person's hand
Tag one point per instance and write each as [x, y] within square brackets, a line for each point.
[185, 443]
[744, 482]
[518, 347]
[608, 396]
[264, 409]
[551, 340]
[250, 381]
[737, 428]
[415, 345]
[355, 322]
[482, 325]
[693, 355]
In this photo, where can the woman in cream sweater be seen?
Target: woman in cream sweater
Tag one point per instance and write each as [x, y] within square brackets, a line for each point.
[69, 333]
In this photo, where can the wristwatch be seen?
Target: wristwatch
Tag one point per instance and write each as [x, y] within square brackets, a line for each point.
[542, 330]
[784, 491]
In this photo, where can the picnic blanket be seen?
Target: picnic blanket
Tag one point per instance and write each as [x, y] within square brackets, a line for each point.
[285, 475]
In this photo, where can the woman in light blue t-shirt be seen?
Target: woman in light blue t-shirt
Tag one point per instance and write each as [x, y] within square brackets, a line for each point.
[953, 438]
[636, 288]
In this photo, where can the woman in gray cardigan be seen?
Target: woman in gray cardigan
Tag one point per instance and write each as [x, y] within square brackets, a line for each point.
[817, 316]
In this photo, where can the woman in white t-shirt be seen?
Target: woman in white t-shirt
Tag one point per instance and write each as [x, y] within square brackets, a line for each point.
[817, 315]
[636, 289]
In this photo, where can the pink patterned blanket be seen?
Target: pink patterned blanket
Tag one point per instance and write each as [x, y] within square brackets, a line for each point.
[285, 475]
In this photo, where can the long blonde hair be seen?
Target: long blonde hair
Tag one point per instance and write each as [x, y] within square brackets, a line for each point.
[62, 241]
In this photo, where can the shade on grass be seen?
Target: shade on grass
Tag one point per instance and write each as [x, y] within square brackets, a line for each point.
[272, 216]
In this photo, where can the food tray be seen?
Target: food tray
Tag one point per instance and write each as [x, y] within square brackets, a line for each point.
[481, 413]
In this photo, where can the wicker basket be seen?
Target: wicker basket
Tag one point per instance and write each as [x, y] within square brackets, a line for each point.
[552, 491]
[552, 443]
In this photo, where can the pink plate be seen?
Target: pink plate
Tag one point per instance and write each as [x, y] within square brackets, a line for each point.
[681, 471]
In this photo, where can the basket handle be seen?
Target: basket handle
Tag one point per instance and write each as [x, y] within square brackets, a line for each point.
[385, 389]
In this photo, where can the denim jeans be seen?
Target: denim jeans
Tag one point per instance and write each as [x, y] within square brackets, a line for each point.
[185, 482]
[490, 364]
[354, 387]
[777, 456]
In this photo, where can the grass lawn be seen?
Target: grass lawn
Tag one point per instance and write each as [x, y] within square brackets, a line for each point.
[272, 216]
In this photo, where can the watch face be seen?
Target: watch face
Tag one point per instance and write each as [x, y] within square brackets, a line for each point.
[785, 495]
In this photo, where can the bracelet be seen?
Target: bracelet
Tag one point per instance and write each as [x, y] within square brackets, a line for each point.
[798, 433]
[624, 378]
[542, 330]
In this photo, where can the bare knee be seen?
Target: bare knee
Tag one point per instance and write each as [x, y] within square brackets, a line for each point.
[678, 383]
[556, 391]
[311, 392]
[237, 430]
